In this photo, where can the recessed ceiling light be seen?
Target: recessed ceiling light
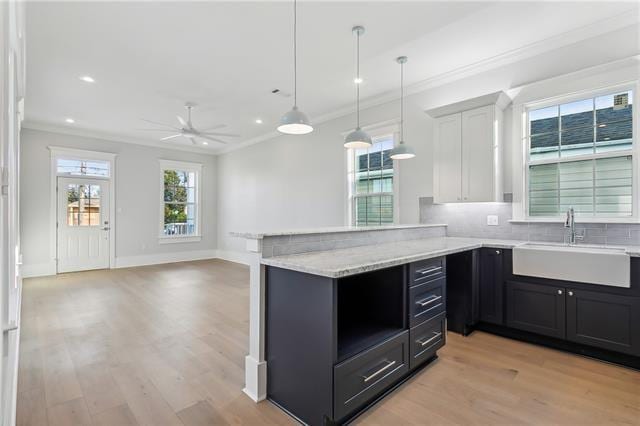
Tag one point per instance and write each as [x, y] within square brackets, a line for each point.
[205, 143]
[87, 79]
[358, 80]
[69, 120]
[258, 121]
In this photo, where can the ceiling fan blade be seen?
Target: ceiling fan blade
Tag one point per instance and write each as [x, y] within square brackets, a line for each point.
[230, 135]
[156, 130]
[183, 123]
[212, 139]
[159, 124]
[217, 126]
[171, 137]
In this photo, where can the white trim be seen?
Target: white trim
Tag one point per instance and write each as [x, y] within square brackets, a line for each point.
[160, 258]
[187, 167]
[520, 160]
[179, 239]
[30, 270]
[64, 152]
[110, 137]
[234, 256]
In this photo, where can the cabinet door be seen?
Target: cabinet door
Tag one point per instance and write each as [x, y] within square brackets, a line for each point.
[491, 285]
[478, 147]
[447, 159]
[536, 308]
[604, 320]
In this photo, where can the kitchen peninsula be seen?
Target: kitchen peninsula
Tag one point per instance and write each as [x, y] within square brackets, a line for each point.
[342, 316]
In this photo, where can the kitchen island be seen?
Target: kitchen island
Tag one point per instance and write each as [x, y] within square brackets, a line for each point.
[343, 317]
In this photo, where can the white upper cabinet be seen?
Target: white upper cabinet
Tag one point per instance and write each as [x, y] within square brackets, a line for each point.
[468, 155]
[447, 164]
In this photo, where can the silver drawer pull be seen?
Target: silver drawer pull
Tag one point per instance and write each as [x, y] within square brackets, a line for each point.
[430, 270]
[377, 373]
[436, 335]
[429, 300]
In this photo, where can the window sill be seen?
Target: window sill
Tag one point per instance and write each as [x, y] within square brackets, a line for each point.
[177, 240]
[578, 220]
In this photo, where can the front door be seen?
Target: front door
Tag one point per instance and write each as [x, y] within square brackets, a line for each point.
[83, 224]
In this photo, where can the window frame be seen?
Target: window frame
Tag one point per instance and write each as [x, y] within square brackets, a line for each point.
[376, 132]
[632, 152]
[182, 166]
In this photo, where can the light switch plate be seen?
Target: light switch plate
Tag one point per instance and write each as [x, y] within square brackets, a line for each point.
[492, 220]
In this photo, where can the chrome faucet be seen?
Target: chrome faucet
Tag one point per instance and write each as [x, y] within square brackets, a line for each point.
[570, 222]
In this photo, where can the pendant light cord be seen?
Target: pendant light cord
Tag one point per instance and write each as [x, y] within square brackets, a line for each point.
[401, 102]
[295, 53]
[358, 79]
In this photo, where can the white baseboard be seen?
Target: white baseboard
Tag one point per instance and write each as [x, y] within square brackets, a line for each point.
[30, 270]
[235, 256]
[158, 258]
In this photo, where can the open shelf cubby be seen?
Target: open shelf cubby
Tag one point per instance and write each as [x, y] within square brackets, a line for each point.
[371, 308]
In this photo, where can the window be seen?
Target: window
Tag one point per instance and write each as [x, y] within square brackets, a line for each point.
[580, 156]
[371, 181]
[73, 167]
[180, 199]
[83, 205]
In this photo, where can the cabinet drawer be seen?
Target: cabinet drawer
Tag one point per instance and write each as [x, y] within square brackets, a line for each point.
[426, 339]
[364, 376]
[427, 270]
[427, 300]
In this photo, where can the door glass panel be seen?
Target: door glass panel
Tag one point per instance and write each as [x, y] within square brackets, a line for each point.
[83, 205]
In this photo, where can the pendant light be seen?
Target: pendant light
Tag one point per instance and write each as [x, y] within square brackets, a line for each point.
[358, 138]
[402, 151]
[295, 122]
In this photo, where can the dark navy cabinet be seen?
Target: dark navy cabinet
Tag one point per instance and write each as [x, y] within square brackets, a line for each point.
[536, 308]
[336, 346]
[491, 286]
[607, 321]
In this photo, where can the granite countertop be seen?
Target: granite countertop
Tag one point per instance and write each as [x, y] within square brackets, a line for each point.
[350, 261]
[331, 229]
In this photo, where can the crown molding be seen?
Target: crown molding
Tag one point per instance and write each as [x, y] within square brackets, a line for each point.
[94, 134]
[594, 29]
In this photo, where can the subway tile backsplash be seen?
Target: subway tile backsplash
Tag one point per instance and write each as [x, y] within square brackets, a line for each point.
[470, 220]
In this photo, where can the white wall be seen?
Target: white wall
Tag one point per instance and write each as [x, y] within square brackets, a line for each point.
[300, 181]
[137, 200]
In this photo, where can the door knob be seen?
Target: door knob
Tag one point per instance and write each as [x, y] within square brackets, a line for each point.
[106, 228]
[570, 293]
[559, 291]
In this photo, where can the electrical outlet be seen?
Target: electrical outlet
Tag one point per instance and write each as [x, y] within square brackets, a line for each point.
[492, 220]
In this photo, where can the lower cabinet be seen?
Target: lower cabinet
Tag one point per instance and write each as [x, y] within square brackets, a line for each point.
[426, 339]
[604, 320]
[491, 286]
[536, 308]
[366, 375]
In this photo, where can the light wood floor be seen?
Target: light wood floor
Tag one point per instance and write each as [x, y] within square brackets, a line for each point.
[165, 345]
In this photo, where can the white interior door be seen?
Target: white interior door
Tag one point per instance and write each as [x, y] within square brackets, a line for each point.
[83, 224]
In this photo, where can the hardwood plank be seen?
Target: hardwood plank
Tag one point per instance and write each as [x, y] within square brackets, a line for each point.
[201, 414]
[116, 416]
[70, 413]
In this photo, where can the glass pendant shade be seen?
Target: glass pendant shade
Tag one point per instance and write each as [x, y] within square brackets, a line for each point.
[357, 139]
[402, 152]
[295, 122]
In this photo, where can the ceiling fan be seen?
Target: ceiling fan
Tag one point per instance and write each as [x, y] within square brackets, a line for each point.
[186, 129]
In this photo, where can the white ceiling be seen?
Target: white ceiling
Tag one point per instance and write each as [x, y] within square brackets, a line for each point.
[148, 58]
